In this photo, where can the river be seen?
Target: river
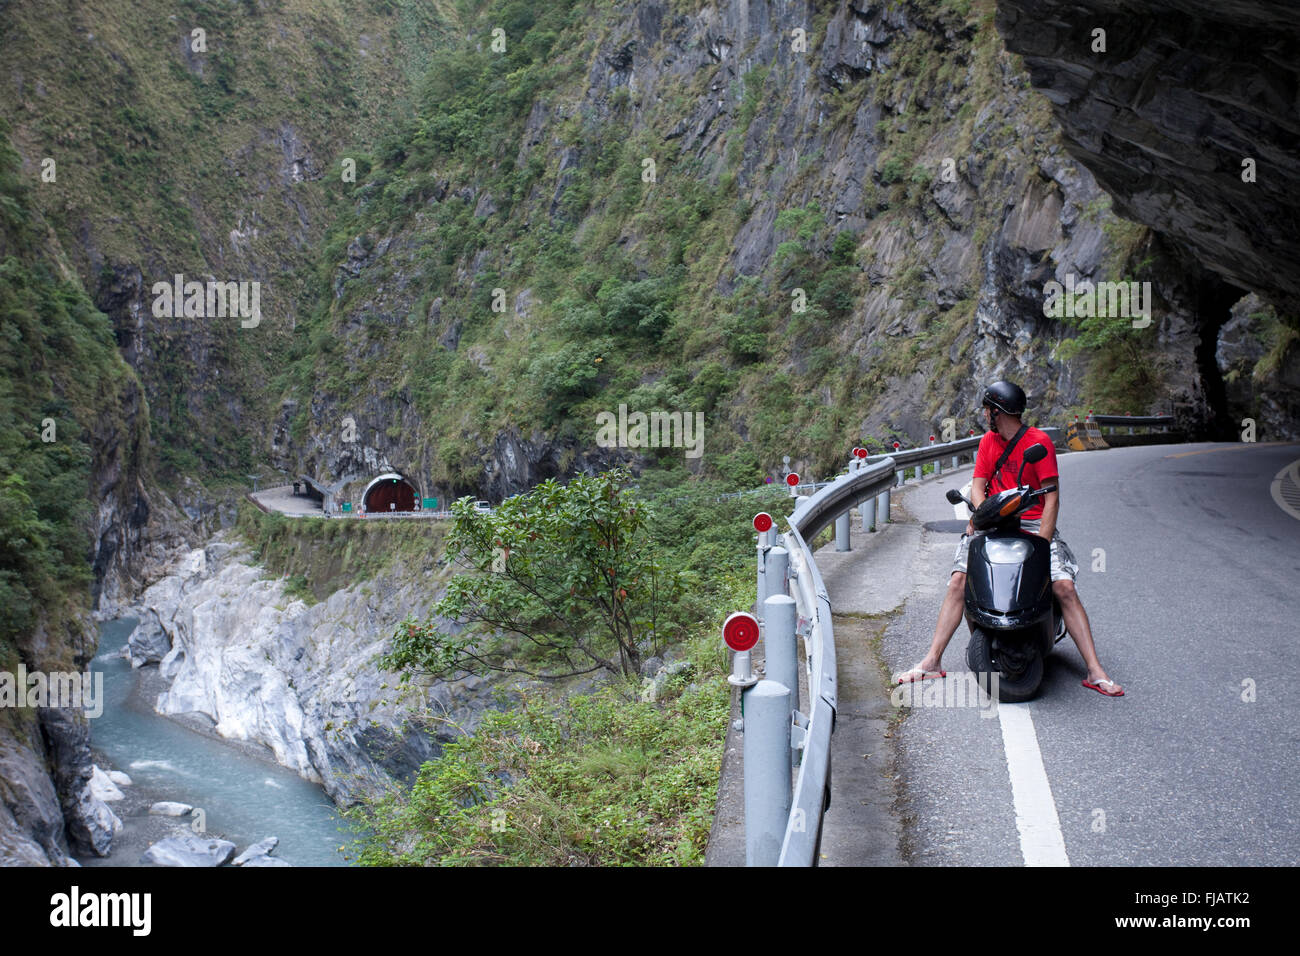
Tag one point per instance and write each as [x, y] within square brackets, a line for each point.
[244, 795]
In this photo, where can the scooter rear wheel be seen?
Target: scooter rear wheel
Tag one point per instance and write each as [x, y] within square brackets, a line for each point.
[1011, 689]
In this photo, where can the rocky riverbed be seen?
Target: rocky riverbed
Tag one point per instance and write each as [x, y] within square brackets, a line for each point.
[299, 680]
[166, 833]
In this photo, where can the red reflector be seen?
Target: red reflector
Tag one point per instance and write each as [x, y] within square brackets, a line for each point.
[792, 479]
[740, 631]
[762, 521]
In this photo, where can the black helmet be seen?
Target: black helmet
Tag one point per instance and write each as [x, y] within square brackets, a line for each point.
[1006, 397]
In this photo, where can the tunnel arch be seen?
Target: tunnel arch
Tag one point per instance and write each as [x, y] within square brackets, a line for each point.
[388, 489]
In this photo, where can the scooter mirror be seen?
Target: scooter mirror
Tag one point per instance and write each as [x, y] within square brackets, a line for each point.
[1035, 453]
[953, 496]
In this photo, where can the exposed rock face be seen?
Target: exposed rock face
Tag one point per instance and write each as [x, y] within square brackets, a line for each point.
[1185, 92]
[962, 260]
[1272, 399]
[48, 808]
[148, 643]
[31, 818]
[299, 679]
[133, 530]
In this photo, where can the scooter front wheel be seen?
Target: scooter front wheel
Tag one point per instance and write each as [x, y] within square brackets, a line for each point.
[1011, 688]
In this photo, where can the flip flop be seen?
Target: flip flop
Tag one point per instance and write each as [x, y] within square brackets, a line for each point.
[1106, 693]
[925, 675]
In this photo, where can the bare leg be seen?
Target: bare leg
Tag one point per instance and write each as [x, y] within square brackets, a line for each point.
[1076, 622]
[950, 614]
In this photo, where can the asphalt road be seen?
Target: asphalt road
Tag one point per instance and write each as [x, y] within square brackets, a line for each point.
[1196, 613]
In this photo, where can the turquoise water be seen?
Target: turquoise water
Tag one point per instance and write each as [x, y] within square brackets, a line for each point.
[244, 798]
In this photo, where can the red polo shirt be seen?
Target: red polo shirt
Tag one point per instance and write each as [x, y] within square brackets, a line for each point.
[991, 447]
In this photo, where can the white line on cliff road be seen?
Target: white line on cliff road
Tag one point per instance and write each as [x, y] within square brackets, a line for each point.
[1041, 841]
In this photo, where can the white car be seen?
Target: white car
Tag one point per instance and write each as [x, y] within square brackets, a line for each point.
[482, 506]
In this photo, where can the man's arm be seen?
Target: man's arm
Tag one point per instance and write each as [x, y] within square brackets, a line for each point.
[977, 486]
[1051, 507]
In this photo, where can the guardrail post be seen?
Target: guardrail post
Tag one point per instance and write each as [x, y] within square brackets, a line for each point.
[767, 771]
[777, 572]
[956, 460]
[938, 466]
[762, 575]
[882, 508]
[900, 474]
[780, 644]
[842, 533]
[868, 509]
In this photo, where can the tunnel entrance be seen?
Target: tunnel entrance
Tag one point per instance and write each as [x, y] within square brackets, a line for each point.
[1214, 301]
[389, 492]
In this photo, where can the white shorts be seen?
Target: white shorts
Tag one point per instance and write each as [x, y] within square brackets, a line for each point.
[1063, 566]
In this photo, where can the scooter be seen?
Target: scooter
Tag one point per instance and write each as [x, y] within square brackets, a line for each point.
[1013, 616]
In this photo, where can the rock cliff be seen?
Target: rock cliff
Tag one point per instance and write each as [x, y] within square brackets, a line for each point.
[299, 680]
[891, 163]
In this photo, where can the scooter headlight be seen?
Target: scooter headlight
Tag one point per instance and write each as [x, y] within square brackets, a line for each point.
[1007, 550]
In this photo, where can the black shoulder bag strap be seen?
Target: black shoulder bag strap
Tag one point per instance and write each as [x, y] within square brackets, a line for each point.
[1006, 452]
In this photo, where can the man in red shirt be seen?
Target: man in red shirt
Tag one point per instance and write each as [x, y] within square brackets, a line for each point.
[1004, 403]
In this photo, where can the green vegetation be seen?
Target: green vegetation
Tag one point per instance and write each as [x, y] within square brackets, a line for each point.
[319, 556]
[610, 251]
[1279, 337]
[599, 779]
[622, 774]
[63, 390]
[566, 580]
[1120, 370]
[569, 583]
[173, 161]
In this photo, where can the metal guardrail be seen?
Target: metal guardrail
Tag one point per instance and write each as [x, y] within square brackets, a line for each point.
[1112, 422]
[812, 785]
[393, 515]
[1149, 421]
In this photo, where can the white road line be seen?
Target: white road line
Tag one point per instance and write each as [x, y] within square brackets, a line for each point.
[1041, 841]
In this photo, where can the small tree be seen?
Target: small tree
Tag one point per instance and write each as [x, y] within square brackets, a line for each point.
[559, 582]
